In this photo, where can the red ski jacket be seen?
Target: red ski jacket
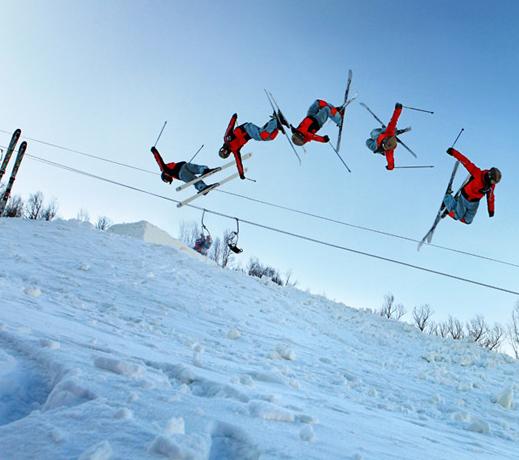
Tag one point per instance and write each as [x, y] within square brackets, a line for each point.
[172, 169]
[478, 185]
[309, 126]
[239, 139]
[389, 132]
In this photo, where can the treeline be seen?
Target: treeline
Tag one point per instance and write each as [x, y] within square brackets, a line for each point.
[477, 330]
[221, 253]
[36, 208]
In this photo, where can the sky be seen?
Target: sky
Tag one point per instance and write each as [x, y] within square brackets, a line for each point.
[102, 77]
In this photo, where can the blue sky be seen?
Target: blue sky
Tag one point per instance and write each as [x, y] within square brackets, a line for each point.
[102, 77]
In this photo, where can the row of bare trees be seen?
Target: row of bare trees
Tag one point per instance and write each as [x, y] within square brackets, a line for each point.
[223, 256]
[35, 208]
[477, 330]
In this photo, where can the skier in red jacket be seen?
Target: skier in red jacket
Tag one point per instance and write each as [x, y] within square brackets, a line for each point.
[463, 207]
[383, 140]
[236, 138]
[316, 117]
[183, 171]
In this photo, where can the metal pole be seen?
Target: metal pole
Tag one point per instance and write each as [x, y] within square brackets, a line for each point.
[160, 134]
[458, 136]
[196, 153]
[409, 167]
[418, 110]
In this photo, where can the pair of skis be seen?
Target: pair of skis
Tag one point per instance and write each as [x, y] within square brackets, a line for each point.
[19, 157]
[278, 114]
[212, 186]
[428, 236]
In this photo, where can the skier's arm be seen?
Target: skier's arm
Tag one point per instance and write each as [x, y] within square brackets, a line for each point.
[158, 158]
[317, 138]
[239, 164]
[391, 127]
[490, 202]
[469, 166]
[390, 160]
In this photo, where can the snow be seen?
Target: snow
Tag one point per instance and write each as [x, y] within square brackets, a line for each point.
[118, 347]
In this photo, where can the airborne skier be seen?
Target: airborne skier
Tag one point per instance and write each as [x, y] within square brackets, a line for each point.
[236, 137]
[318, 114]
[463, 206]
[383, 140]
[182, 171]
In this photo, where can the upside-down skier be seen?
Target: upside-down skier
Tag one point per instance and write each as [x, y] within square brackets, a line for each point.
[182, 170]
[482, 182]
[318, 114]
[236, 137]
[384, 141]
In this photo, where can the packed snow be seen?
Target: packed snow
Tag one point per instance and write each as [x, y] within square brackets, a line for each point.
[115, 348]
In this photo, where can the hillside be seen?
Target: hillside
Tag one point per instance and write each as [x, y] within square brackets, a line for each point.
[112, 347]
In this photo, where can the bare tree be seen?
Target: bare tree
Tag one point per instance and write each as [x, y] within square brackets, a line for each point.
[513, 331]
[391, 310]
[422, 315]
[494, 338]
[83, 215]
[477, 329]
[14, 206]
[50, 211]
[288, 280]
[257, 269]
[34, 206]
[216, 251]
[455, 328]
[443, 329]
[103, 223]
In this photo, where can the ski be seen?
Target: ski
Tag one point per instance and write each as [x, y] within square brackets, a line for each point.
[220, 168]
[383, 126]
[344, 104]
[275, 108]
[428, 236]
[9, 152]
[208, 189]
[7, 193]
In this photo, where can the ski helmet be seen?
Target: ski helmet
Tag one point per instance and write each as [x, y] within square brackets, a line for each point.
[494, 175]
[298, 138]
[224, 151]
[166, 178]
[389, 143]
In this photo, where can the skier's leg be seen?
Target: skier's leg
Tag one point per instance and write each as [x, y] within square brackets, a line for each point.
[470, 211]
[325, 111]
[450, 203]
[267, 132]
[185, 174]
[197, 169]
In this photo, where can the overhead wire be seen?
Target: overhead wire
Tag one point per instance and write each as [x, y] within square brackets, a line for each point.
[286, 208]
[278, 230]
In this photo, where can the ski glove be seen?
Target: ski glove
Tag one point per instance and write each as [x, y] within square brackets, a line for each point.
[398, 105]
[450, 151]
[326, 138]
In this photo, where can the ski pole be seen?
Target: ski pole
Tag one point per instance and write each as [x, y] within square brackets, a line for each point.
[409, 167]
[160, 134]
[196, 153]
[418, 110]
[252, 180]
[340, 158]
[457, 137]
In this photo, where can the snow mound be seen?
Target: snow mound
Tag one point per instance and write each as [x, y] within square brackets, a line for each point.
[149, 233]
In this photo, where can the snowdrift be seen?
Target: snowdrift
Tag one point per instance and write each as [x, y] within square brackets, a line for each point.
[109, 350]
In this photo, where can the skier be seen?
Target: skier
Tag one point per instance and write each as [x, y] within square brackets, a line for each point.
[383, 140]
[463, 206]
[182, 171]
[236, 138]
[203, 244]
[316, 117]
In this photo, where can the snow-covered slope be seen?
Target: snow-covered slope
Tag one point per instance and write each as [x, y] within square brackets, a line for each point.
[108, 349]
